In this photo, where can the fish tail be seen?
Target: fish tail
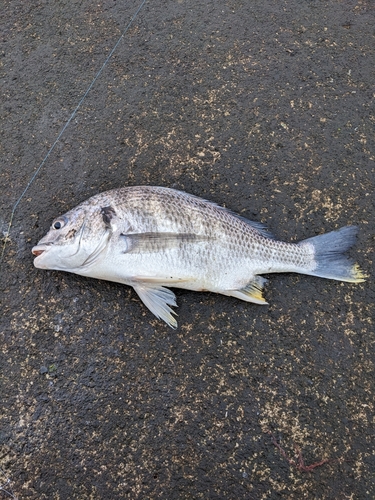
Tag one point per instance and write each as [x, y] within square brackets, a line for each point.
[330, 260]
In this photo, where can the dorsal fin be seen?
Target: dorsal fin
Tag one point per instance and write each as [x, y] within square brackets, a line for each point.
[258, 226]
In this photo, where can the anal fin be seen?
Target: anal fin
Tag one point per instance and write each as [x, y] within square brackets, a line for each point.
[252, 292]
[158, 299]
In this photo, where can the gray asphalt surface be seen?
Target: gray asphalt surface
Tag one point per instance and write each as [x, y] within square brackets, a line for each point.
[264, 107]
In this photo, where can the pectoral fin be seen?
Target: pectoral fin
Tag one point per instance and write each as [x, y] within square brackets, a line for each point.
[158, 299]
[157, 242]
[251, 293]
[166, 280]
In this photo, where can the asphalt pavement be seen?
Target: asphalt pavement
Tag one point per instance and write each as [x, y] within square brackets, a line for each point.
[265, 107]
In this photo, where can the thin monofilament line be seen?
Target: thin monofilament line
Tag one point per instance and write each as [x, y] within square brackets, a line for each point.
[6, 235]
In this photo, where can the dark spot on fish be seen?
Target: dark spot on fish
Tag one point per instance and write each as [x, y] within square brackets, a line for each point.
[108, 213]
[71, 233]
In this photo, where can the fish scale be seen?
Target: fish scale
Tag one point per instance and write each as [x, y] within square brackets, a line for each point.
[151, 238]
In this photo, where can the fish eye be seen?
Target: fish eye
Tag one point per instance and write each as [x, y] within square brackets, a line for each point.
[58, 224]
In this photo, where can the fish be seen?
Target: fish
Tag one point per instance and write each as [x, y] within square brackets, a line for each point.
[152, 238]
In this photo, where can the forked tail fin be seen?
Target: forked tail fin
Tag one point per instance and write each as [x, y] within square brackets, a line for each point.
[329, 255]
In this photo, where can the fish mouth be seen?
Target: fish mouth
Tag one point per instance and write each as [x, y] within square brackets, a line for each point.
[39, 250]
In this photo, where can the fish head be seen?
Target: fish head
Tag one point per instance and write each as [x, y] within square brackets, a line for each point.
[71, 240]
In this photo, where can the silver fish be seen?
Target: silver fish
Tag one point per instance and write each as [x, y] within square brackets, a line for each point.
[153, 237]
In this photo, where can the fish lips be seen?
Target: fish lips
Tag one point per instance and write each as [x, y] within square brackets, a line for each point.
[38, 251]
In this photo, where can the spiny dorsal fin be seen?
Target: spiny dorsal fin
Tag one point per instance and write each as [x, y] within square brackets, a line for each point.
[258, 226]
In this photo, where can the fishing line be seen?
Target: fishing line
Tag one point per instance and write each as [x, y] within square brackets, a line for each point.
[33, 177]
